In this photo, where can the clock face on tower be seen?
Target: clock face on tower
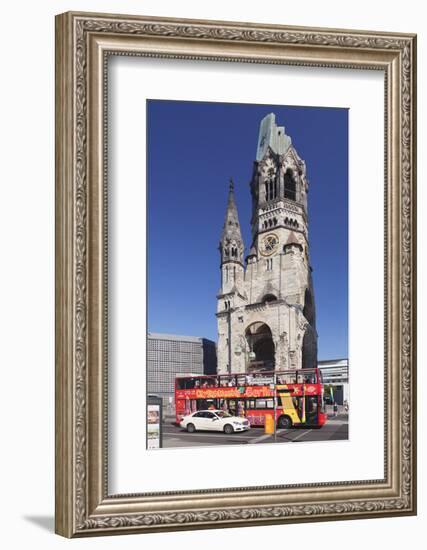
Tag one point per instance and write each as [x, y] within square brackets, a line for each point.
[269, 244]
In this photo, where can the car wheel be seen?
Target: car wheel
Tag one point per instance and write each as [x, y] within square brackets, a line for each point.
[191, 428]
[284, 422]
[228, 429]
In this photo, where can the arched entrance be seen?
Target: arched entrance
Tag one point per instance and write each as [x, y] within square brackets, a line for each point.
[261, 347]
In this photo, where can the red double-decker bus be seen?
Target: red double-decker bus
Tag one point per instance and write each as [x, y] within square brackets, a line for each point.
[293, 397]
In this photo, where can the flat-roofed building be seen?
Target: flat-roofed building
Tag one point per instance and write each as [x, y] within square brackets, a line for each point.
[172, 354]
[335, 374]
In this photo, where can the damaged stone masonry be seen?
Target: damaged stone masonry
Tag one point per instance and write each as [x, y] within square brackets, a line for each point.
[266, 313]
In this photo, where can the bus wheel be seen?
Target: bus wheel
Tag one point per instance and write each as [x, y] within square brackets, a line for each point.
[228, 429]
[284, 422]
[191, 428]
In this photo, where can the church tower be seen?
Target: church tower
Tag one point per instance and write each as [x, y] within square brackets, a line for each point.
[231, 249]
[266, 313]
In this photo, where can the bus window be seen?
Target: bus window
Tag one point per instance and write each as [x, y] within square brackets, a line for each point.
[255, 380]
[306, 377]
[185, 383]
[203, 404]
[286, 378]
[262, 379]
[264, 404]
[222, 404]
[208, 382]
[241, 380]
[227, 380]
[190, 383]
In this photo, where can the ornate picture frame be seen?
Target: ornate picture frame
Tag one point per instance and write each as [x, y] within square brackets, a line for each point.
[83, 44]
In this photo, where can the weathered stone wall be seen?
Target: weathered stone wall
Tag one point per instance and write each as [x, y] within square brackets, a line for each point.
[276, 284]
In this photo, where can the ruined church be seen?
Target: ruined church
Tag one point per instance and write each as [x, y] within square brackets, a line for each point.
[266, 312]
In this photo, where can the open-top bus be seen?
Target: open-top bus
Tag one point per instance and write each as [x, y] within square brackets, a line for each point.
[293, 397]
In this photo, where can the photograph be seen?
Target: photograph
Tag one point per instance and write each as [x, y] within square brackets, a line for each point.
[247, 268]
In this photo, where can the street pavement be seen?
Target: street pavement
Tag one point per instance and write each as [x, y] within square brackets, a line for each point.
[336, 428]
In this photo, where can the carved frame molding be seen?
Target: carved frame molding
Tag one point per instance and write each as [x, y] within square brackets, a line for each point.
[83, 43]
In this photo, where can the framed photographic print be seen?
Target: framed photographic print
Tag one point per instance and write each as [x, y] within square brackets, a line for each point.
[264, 315]
[235, 274]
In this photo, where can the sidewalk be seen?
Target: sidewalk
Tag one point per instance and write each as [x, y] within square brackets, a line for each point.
[330, 410]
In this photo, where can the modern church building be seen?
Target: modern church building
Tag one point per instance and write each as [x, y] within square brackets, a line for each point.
[265, 311]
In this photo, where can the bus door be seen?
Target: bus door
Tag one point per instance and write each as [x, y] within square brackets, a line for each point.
[232, 407]
[312, 409]
[288, 405]
[240, 408]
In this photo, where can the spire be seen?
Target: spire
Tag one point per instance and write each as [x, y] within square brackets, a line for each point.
[231, 245]
[231, 224]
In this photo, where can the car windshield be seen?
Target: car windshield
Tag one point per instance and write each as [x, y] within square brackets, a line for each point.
[223, 414]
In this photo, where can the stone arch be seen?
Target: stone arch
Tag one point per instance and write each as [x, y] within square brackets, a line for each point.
[261, 347]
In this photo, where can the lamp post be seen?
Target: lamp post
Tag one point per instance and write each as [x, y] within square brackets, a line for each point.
[229, 341]
[273, 388]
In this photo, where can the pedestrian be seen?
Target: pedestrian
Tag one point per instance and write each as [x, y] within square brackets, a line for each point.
[335, 408]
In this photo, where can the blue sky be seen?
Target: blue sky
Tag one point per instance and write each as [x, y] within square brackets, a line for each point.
[193, 150]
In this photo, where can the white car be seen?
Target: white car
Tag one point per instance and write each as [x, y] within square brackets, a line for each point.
[216, 420]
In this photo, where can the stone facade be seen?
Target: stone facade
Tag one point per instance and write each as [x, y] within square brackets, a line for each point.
[266, 312]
